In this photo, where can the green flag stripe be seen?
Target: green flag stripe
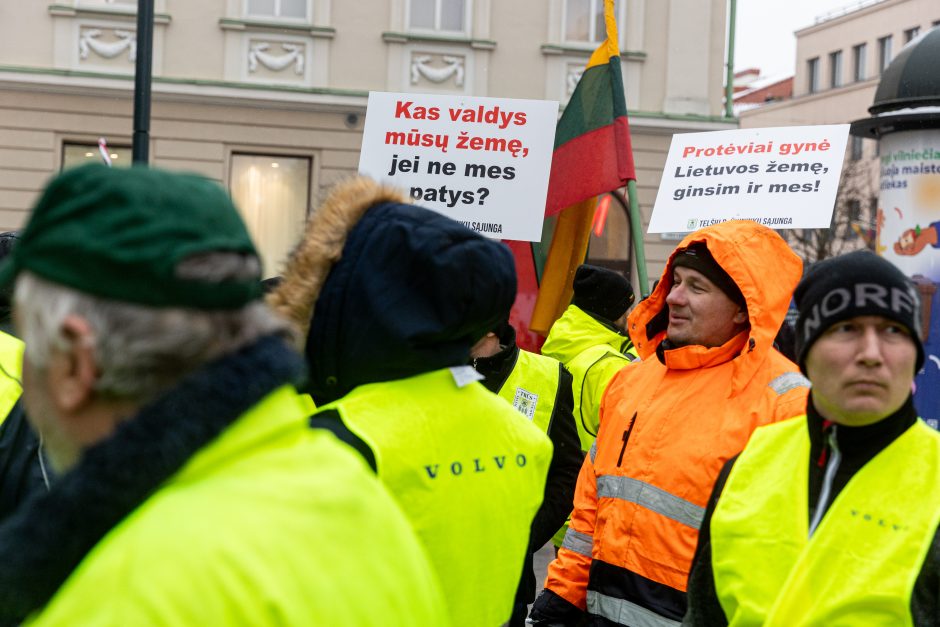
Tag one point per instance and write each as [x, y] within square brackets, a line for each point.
[596, 101]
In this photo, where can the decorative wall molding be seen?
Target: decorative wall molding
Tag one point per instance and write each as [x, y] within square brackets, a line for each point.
[572, 78]
[421, 66]
[89, 41]
[294, 55]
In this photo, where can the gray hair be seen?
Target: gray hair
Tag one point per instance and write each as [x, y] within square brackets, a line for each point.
[140, 351]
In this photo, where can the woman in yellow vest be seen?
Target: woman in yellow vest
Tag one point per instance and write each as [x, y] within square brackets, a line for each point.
[832, 518]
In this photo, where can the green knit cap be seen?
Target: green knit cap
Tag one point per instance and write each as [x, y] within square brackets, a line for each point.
[121, 233]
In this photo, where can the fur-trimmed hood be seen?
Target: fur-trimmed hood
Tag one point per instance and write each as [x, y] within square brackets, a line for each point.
[381, 289]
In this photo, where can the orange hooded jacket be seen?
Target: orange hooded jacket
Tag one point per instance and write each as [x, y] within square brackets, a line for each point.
[668, 423]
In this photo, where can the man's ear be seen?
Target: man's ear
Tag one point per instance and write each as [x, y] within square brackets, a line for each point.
[75, 369]
[740, 317]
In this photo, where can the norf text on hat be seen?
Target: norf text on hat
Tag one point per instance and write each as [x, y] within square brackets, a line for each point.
[861, 296]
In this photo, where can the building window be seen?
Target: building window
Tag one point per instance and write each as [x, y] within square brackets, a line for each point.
[80, 153]
[291, 9]
[911, 33]
[884, 53]
[272, 194]
[812, 68]
[835, 68]
[584, 20]
[438, 15]
[858, 62]
[856, 148]
[854, 210]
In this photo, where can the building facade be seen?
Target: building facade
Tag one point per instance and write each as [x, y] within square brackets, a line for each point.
[839, 62]
[268, 97]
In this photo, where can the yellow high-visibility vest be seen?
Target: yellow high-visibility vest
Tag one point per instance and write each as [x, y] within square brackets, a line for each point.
[467, 470]
[11, 373]
[860, 565]
[531, 387]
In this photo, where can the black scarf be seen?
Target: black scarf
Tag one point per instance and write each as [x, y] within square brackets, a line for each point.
[52, 533]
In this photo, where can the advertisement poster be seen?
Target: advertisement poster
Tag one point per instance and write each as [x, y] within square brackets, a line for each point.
[484, 162]
[784, 178]
[908, 219]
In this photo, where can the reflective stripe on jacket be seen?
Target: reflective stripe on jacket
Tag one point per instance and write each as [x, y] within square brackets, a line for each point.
[468, 471]
[667, 425]
[860, 565]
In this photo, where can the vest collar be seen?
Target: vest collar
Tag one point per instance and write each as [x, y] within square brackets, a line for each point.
[52, 532]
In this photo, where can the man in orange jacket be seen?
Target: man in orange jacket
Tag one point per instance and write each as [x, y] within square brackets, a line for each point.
[708, 376]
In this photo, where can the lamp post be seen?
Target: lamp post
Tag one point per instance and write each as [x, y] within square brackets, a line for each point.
[140, 148]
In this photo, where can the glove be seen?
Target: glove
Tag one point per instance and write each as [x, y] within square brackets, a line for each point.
[551, 610]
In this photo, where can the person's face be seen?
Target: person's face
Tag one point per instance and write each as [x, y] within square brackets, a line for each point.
[861, 370]
[486, 346]
[699, 312]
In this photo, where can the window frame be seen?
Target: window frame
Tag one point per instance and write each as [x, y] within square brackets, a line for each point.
[859, 58]
[312, 161]
[835, 69]
[467, 17]
[884, 52]
[307, 18]
[910, 34]
[856, 148]
[619, 13]
[92, 146]
[812, 75]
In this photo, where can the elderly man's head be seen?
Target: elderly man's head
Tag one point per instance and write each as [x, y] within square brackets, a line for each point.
[126, 281]
[858, 337]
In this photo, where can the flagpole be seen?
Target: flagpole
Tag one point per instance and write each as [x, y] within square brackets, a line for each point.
[632, 206]
[636, 232]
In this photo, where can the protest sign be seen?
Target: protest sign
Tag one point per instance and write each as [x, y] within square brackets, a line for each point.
[785, 178]
[481, 161]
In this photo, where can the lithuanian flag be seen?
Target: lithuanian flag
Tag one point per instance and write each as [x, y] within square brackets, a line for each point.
[592, 140]
[592, 156]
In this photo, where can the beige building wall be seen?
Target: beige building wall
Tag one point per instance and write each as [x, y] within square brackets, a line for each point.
[228, 83]
[841, 33]
[845, 84]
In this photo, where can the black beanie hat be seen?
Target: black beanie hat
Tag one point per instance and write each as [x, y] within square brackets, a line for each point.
[859, 283]
[697, 257]
[602, 292]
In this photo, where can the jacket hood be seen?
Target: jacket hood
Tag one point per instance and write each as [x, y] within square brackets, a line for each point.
[383, 290]
[766, 271]
[575, 331]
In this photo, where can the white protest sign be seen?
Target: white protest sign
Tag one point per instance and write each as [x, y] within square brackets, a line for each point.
[481, 161]
[785, 178]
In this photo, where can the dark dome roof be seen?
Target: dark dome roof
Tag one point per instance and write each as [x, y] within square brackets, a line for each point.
[913, 78]
[908, 96]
